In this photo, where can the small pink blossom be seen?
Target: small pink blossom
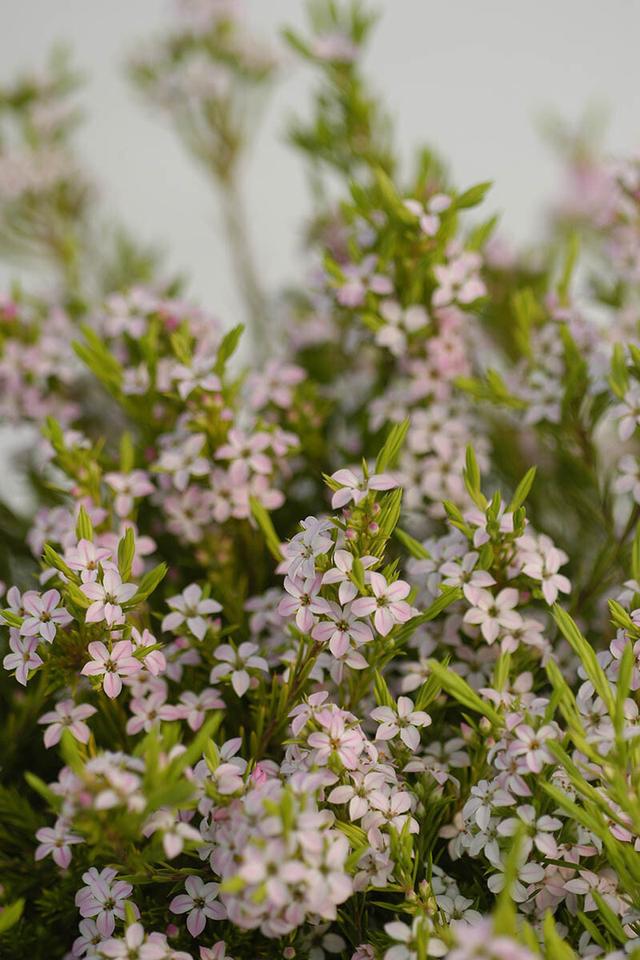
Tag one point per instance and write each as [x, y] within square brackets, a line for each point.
[403, 720]
[302, 600]
[23, 657]
[235, 665]
[128, 487]
[111, 665]
[341, 629]
[56, 841]
[200, 902]
[190, 608]
[86, 557]
[493, 614]
[67, 714]
[340, 573]
[530, 746]
[107, 597]
[43, 615]
[355, 487]
[387, 605]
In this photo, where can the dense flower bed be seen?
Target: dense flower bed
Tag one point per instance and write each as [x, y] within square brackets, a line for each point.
[332, 650]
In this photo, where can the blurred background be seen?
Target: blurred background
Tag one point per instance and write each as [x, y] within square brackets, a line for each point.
[473, 79]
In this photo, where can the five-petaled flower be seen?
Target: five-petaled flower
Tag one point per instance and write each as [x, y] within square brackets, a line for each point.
[69, 715]
[403, 720]
[190, 608]
[388, 604]
[111, 665]
[108, 598]
[200, 902]
[43, 615]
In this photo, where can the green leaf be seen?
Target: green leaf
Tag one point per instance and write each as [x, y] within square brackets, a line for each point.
[471, 475]
[414, 547]
[148, 584]
[587, 656]
[126, 554]
[41, 788]
[608, 917]
[392, 445]
[389, 516]
[84, 526]
[573, 249]
[619, 377]
[522, 490]
[446, 598]
[10, 915]
[391, 199]
[127, 453]
[473, 196]
[553, 942]
[10, 618]
[228, 347]
[459, 689]
[263, 519]
[427, 693]
[381, 691]
[53, 559]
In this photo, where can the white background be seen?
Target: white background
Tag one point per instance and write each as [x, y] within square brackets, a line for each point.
[469, 76]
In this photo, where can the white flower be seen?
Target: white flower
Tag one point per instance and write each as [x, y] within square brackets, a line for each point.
[189, 608]
[236, 664]
[493, 614]
[403, 720]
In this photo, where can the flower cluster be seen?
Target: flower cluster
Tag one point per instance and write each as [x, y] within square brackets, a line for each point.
[338, 655]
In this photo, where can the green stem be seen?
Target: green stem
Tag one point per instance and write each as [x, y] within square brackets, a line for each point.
[244, 266]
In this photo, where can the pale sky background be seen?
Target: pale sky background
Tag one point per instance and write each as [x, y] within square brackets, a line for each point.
[469, 76]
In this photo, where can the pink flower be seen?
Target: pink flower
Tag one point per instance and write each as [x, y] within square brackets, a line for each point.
[201, 904]
[43, 615]
[86, 558]
[463, 574]
[23, 658]
[339, 573]
[387, 604]
[458, 280]
[235, 665]
[404, 720]
[529, 744]
[128, 487]
[342, 629]
[111, 665]
[184, 460]
[493, 614]
[247, 449]
[189, 607]
[628, 413]
[193, 707]
[56, 841]
[357, 794]
[392, 807]
[149, 711]
[103, 897]
[67, 714]
[540, 830]
[155, 661]
[303, 601]
[355, 487]
[339, 741]
[107, 598]
[174, 832]
[300, 553]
